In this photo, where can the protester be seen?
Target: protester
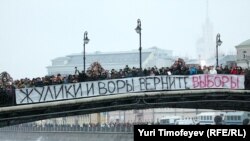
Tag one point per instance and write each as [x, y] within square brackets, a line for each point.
[212, 70]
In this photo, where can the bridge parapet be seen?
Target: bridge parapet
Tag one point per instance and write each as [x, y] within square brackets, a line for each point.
[218, 99]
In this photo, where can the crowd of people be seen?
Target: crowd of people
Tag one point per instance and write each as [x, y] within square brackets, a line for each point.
[97, 72]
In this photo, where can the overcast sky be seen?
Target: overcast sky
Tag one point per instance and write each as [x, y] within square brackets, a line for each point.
[33, 32]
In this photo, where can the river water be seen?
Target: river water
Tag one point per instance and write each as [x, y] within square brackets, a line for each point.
[64, 136]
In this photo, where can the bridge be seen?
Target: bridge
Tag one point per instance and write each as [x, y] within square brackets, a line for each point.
[217, 99]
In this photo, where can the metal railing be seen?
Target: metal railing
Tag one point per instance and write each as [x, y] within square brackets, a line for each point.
[69, 128]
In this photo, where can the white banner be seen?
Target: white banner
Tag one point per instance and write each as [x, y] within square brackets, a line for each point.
[127, 85]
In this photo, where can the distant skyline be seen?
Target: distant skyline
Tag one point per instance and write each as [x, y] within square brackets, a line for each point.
[33, 32]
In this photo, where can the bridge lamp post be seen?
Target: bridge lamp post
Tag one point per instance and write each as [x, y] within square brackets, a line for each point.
[218, 43]
[138, 30]
[85, 41]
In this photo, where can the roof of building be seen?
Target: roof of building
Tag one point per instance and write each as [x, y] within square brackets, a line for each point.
[245, 43]
[144, 50]
[128, 57]
[228, 58]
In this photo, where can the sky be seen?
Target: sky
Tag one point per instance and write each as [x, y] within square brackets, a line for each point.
[33, 32]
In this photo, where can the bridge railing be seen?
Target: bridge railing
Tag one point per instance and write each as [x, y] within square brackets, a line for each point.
[68, 128]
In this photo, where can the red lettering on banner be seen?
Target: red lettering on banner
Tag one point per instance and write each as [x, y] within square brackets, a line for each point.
[224, 80]
[202, 83]
[234, 84]
[216, 81]
[238, 82]
[210, 81]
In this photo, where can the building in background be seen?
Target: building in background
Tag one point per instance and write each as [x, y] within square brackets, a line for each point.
[112, 60]
[243, 54]
[206, 47]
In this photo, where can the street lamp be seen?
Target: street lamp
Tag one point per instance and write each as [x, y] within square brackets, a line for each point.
[85, 41]
[218, 43]
[138, 30]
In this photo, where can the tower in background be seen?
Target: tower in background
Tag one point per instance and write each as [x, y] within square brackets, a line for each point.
[205, 46]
